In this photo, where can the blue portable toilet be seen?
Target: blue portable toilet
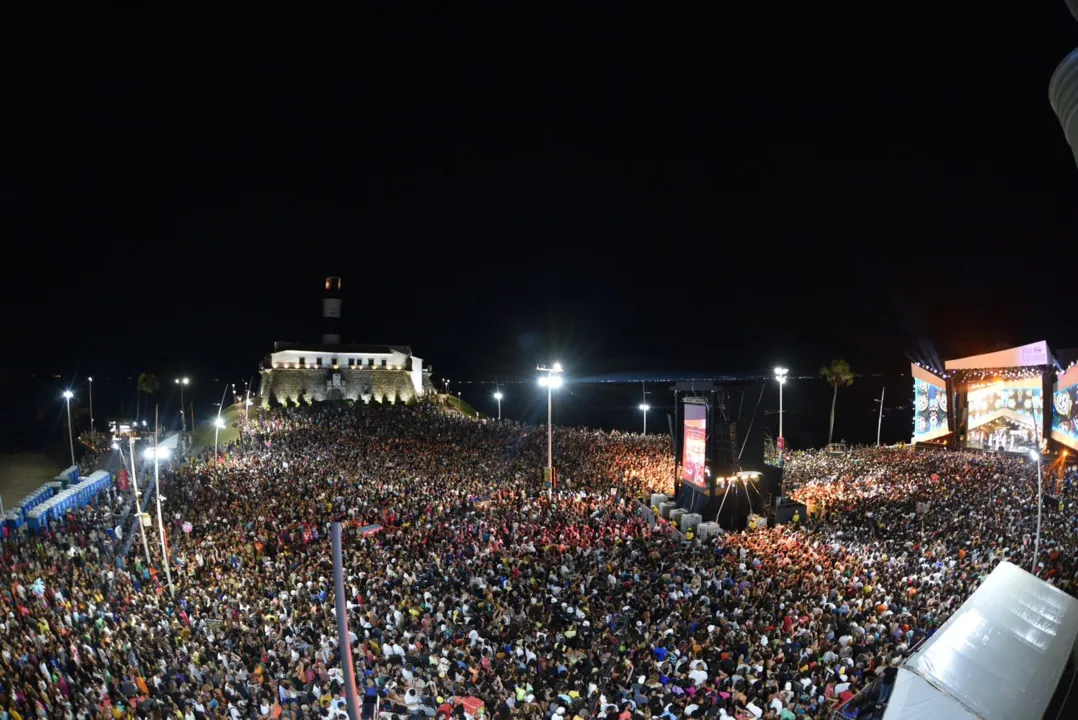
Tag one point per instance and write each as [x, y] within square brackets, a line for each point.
[14, 519]
[34, 519]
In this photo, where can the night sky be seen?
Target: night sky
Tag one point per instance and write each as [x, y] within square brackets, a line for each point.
[644, 193]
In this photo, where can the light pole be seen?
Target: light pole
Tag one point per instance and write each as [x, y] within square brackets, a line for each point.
[247, 399]
[551, 380]
[219, 423]
[645, 407]
[183, 422]
[157, 492]
[780, 375]
[1036, 455]
[498, 396]
[70, 437]
[138, 504]
[92, 430]
[879, 423]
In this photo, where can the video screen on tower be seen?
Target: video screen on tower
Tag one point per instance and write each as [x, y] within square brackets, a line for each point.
[1065, 409]
[694, 446]
[929, 404]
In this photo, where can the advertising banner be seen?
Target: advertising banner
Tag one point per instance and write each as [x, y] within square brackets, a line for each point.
[694, 446]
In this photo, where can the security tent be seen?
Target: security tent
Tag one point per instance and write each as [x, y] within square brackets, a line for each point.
[1001, 655]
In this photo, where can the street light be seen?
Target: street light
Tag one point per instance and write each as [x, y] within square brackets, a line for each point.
[1036, 455]
[780, 375]
[183, 422]
[219, 423]
[139, 510]
[645, 407]
[70, 437]
[498, 396]
[158, 453]
[91, 405]
[550, 381]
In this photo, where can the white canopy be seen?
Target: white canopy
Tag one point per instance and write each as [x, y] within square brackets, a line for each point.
[171, 442]
[999, 656]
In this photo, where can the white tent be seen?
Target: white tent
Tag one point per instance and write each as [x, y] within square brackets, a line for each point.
[1000, 655]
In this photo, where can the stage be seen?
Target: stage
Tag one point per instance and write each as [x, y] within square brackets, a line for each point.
[993, 402]
[719, 451]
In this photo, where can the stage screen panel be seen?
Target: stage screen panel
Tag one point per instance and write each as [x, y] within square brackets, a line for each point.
[1005, 415]
[1065, 410]
[694, 446]
[929, 405]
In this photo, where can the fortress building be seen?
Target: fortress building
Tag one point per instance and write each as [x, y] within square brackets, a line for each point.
[306, 372]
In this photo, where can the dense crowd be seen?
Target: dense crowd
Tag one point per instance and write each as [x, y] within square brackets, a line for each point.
[468, 578]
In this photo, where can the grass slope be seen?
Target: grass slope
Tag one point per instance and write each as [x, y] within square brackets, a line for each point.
[202, 434]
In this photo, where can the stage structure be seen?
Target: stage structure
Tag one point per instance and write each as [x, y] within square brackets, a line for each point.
[719, 450]
[993, 402]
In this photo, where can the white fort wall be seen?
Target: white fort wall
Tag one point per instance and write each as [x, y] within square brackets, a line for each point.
[295, 385]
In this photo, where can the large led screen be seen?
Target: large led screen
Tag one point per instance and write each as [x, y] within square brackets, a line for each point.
[694, 447]
[929, 410]
[1005, 416]
[1065, 412]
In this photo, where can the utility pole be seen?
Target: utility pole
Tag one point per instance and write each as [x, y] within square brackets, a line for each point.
[879, 423]
[343, 642]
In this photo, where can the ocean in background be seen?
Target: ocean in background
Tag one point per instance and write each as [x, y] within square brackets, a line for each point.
[30, 416]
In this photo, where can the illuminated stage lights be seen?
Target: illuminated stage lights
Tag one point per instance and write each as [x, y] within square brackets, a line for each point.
[998, 375]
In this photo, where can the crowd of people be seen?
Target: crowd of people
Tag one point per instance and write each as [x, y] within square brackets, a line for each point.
[469, 580]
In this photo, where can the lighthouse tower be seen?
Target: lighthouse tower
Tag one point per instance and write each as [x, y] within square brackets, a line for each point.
[331, 312]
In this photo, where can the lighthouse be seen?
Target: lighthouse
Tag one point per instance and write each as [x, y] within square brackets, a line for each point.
[331, 312]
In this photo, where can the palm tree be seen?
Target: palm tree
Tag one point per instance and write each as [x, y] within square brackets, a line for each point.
[148, 384]
[837, 374]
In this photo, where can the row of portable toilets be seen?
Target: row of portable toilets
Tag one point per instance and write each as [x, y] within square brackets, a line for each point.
[54, 499]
